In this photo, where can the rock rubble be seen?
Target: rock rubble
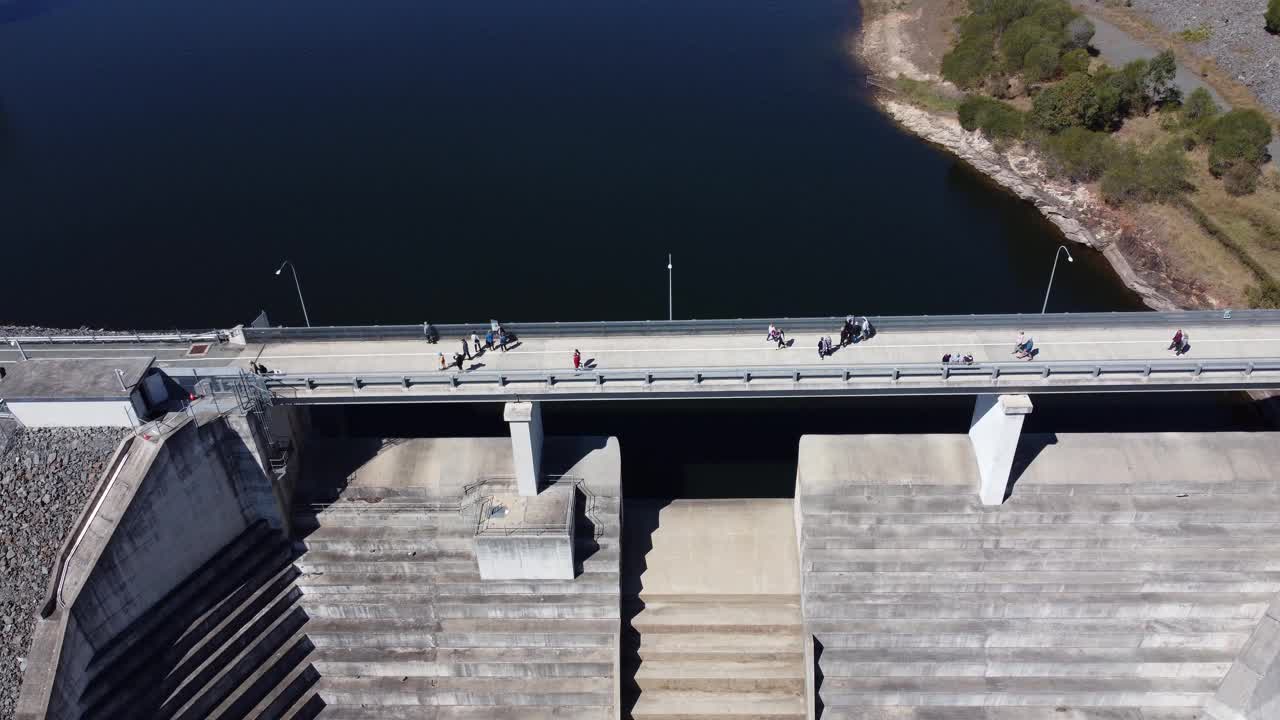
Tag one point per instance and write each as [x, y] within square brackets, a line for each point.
[46, 476]
[1237, 39]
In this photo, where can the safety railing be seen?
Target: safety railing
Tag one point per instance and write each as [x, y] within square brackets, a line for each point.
[177, 338]
[514, 381]
[685, 327]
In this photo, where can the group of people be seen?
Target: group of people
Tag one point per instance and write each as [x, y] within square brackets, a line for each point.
[497, 337]
[1181, 342]
[957, 358]
[854, 330]
[1025, 347]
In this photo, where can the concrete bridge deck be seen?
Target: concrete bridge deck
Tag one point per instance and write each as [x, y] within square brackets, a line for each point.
[1118, 352]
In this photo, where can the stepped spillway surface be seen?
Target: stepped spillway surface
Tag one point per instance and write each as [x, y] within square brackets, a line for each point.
[1118, 582]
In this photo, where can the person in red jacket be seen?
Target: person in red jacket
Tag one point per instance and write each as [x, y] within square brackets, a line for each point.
[577, 359]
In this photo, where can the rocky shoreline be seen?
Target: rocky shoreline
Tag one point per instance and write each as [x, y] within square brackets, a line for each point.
[1073, 209]
[883, 48]
[46, 477]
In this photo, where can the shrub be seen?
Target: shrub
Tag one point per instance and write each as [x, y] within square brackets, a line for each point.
[1070, 102]
[1237, 135]
[1273, 16]
[1079, 154]
[998, 121]
[1200, 106]
[1075, 61]
[1079, 33]
[1241, 178]
[1265, 295]
[1041, 63]
[969, 61]
[1156, 176]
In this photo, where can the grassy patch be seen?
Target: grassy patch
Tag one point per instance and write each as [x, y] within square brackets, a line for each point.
[926, 95]
[1198, 34]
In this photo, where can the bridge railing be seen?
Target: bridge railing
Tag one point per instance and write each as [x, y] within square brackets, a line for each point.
[515, 381]
[177, 338]
[791, 325]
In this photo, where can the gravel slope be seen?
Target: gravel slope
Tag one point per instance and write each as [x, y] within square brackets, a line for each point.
[1238, 39]
[46, 476]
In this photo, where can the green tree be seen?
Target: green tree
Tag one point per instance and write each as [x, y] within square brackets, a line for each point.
[1070, 102]
[1075, 61]
[1018, 40]
[969, 62]
[1159, 80]
[1273, 16]
[1200, 105]
[1041, 63]
[1238, 135]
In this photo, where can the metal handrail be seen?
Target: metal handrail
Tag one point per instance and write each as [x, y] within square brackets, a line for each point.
[747, 374]
[176, 337]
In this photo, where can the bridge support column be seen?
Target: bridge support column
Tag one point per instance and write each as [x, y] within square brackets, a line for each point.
[994, 432]
[525, 419]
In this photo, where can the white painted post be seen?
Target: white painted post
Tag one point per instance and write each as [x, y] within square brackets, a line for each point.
[525, 419]
[994, 432]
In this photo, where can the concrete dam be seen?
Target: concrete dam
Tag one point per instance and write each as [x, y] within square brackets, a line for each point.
[245, 557]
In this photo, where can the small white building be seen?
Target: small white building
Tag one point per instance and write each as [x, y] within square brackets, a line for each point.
[120, 392]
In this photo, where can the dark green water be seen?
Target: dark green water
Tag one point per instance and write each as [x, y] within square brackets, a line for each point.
[465, 159]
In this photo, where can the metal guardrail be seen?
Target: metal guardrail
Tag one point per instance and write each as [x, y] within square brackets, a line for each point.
[180, 338]
[791, 325]
[1187, 369]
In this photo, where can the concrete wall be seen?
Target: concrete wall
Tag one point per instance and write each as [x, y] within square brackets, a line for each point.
[524, 557]
[178, 502]
[119, 413]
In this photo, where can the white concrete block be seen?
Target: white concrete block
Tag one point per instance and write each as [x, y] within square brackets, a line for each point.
[994, 432]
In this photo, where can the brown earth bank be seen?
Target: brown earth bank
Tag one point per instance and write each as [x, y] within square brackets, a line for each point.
[1160, 251]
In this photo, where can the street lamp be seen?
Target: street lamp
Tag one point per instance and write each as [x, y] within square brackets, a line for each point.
[669, 286]
[298, 285]
[1056, 255]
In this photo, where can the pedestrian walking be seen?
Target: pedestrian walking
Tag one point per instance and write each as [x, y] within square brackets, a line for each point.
[577, 360]
[502, 340]
[475, 340]
[466, 350]
[488, 340]
[457, 361]
[865, 331]
[441, 357]
[822, 348]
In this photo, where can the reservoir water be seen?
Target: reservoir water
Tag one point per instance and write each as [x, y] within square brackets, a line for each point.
[464, 159]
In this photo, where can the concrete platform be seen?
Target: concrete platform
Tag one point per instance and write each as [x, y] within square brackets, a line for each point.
[723, 547]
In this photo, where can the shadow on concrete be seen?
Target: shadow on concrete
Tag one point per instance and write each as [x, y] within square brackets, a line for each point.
[1030, 445]
[236, 619]
[640, 521]
[585, 539]
[817, 678]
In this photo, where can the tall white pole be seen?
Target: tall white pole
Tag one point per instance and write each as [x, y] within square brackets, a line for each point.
[669, 306]
[294, 269]
[1056, 255]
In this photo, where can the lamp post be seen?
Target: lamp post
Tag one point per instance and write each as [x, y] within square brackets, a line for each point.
[1056, 255]
[298, 285]
[669, 311]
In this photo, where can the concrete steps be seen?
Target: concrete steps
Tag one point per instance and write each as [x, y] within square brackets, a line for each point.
[227, 643]
[402, 626]
[1085, 600]
[718, 656]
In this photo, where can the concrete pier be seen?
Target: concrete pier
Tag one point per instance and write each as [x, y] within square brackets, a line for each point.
[994, 432]
[525, 420]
